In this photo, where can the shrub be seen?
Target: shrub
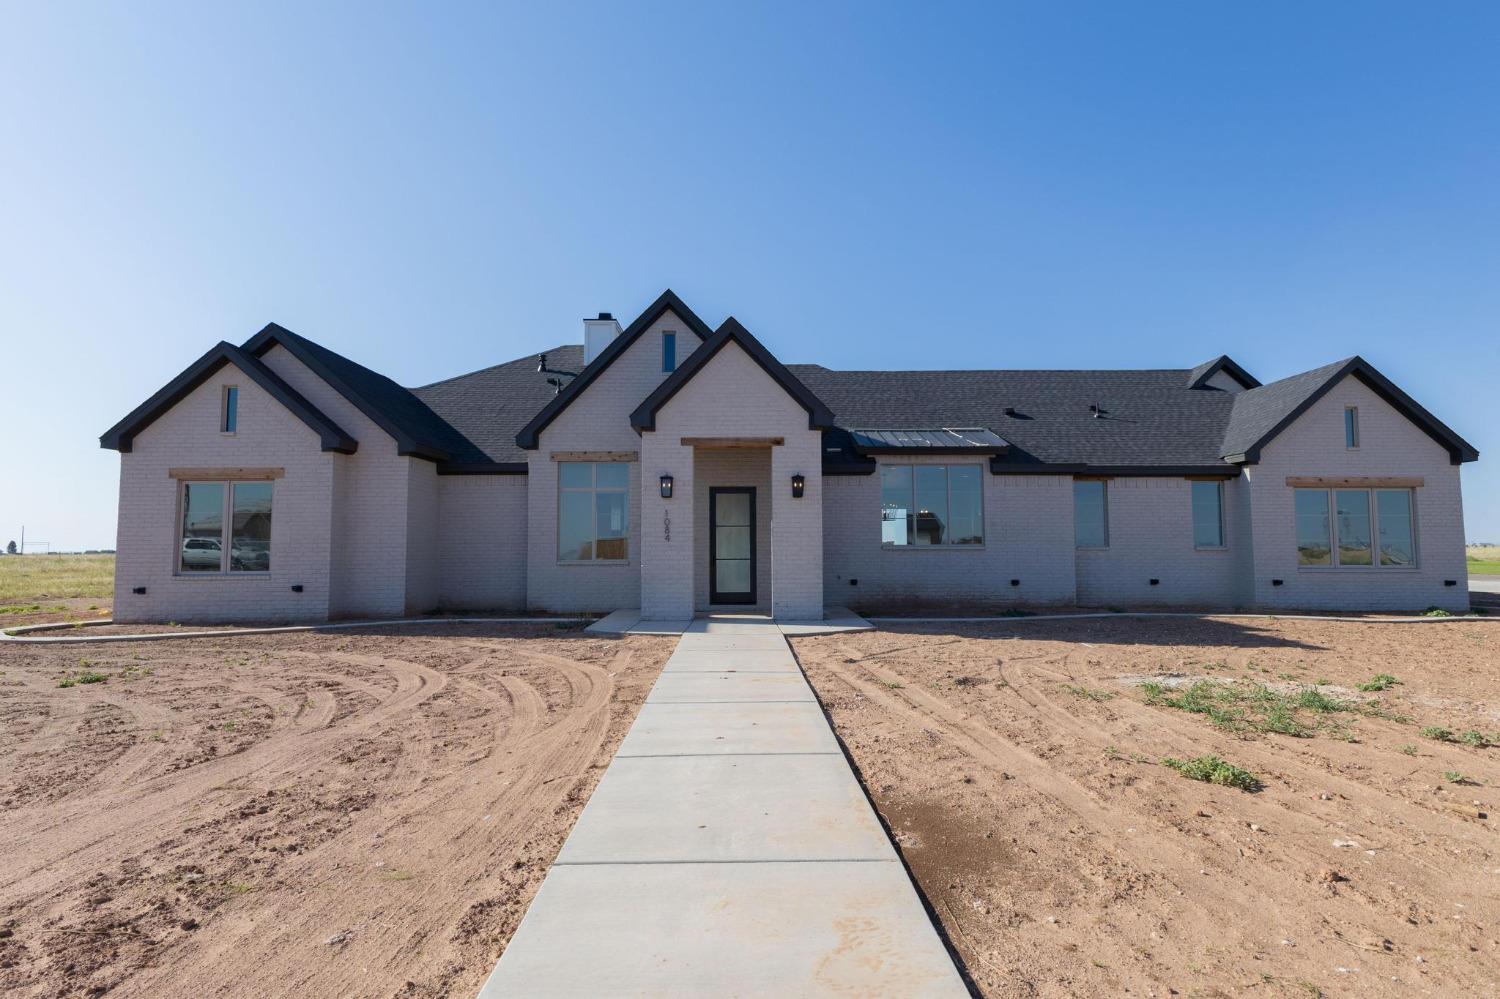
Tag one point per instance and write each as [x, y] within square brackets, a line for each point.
[1212, 770]
[1382, 681]
[1474, 738]
[1439, 734]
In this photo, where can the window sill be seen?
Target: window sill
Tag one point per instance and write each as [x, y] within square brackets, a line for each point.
[1210, 548]
[602, 562]
[887, 547]
[221, 574]
[1091, 548]
[1357, 569]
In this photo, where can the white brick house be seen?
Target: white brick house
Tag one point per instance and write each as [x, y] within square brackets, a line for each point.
[673, 467]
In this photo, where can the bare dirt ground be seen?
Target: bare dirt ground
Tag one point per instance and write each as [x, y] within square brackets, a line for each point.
[1019, 768]
[351, 813]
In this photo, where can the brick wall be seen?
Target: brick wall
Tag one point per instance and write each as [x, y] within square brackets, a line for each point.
[598, 420]
[733, 397]
[1389, 445]
[482, 541]
[148, 541]
[1151, 537]
[1028, 533]
[369, 504]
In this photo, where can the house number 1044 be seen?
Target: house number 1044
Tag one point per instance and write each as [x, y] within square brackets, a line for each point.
[666, 526]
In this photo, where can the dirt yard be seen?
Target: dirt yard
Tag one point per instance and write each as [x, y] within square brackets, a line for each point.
[1019, 766]
[349, 813]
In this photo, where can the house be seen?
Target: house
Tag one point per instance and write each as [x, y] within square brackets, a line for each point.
[674, 467]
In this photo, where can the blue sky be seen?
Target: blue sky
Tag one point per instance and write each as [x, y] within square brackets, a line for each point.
[434, 190]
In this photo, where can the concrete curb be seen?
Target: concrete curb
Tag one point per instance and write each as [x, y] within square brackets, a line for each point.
[1185, 614]
[16, 634]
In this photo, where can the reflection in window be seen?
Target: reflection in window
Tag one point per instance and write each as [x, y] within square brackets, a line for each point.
[250, 542]
[593, 517]
[202, 527]
[1090, 513]
[931, 505]
[1352, 513]
[1393, 510]
[1208, 515]
[226, 518]
[1348, 536]
[1314, 540]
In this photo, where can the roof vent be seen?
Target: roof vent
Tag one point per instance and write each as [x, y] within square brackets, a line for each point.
[1009, 411]
[597, 335]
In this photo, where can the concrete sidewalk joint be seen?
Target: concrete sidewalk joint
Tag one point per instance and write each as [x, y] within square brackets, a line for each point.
[727, 851]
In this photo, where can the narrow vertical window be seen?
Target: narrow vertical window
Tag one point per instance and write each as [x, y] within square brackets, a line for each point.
[669, 351]
[895, 505]
[1090, 514]
[1351, 426]
[229, 411]
[202, 527]
[1393, 512]
[1208, 515]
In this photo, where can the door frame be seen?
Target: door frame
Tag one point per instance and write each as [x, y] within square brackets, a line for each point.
[714, 597]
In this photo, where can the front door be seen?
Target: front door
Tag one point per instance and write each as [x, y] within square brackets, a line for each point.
[731, 545]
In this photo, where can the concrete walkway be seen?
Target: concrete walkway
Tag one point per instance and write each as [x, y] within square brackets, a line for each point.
[727, 851]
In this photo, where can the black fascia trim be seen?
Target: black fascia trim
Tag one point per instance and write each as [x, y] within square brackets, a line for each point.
[848, 468]
[276, 335]
[999, 467]
[935, 451]
[667, 301]
[1226, 364]
[819, 416]
[1459, 450]
[483, 468]
[331, 436]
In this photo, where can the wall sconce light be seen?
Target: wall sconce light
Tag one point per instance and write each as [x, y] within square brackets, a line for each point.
[666, 487]
[798, 485]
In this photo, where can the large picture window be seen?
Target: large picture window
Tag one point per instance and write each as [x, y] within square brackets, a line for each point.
[1358, 528]
[593, 516]
[927, 505]
[226, 527]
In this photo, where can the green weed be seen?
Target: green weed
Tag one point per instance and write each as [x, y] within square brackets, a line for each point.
[1382, 681]
[1212, 770]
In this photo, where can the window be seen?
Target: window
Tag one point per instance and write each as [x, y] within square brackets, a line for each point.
[1208, 514]
[1351, 426]
[229, 410]
[593, 521]
[1346, 527]
[926, 505]
[669, 351]
[207, 508]
[1090, 513]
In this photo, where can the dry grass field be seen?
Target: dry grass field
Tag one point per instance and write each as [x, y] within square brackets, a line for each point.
[1484, 560]
[37, 588]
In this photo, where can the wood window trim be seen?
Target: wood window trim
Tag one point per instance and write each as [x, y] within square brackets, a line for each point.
[733, 442]
[598, 457]
[1354, 482]
[226, 474]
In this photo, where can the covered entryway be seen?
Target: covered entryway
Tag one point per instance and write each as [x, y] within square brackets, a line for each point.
[731, 487]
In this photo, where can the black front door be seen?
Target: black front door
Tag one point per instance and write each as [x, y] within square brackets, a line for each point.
[731, 545]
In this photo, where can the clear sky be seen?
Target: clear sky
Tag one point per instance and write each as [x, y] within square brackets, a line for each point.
[432, 189]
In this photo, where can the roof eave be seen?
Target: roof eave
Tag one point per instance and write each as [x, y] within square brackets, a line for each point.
[331, 436]
[529, 436]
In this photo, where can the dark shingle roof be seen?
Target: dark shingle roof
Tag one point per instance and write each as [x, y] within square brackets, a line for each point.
[1259, 411]
[491, 405]
[416, 428]
[1147, 418]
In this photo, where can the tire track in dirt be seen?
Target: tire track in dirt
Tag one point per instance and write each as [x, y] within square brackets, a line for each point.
[146, 809]
[1159, 854]
[467, 810]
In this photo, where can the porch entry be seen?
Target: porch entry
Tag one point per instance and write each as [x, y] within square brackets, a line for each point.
[731, 544]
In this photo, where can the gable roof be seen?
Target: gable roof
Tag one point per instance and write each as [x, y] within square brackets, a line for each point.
[416, 429]
[1258, 415]
[121, 436]
[819, 417]
[665, 302]
[1199, 376]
